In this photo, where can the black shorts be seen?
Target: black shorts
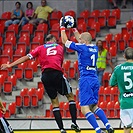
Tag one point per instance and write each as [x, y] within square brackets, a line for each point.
[5, 127]
[55, 82]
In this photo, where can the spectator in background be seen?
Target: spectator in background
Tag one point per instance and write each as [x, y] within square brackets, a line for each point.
[41, 13]
[115, 5]
[15, 16]
[29, 13]
[101, 61]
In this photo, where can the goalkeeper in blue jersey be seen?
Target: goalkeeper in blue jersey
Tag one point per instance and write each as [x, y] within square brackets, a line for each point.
[88, 82]
[123, 78]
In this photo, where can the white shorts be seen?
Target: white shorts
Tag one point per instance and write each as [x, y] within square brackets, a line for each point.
[126, 116]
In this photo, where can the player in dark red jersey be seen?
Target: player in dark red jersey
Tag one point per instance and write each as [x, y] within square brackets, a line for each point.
[51, 57]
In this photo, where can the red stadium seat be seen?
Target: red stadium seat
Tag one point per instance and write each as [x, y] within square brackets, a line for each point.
[66, 110]
[18, 73]
[18, 101]
[57, 14]
[129, 25]
[7, 87]
[53, 21]
[66, 65]
[24, 33]
[24, 92]
[101, 94]
[110, 109]
[55, 26]
[95, 13]
[82, 26]
[4, 59]
[6, 15]
[7, 114]
[117, 109]
[21, 45]
[42, 28]
[5, 73]
[28, 74]
[80, 20]
[105, 13]
[130, 43]
[39, 93]
[85, 14]
[121, 45]
[1, 41]
[34, 101]
[109, 37]
[33, 45]
[33, 65]
[38, 39]
[1, 80]
[40, 85]
[107, 93]
[114, 93]
[73, 39]
[77, 94]
[71, 13]
[105, 78]
[113, 43]
[126, 37]
[20, 52]
[72, 73]
[117, 37]
[56, 33]
[90, 21]
[24, 39]
[32, 92]
[96, 26]
[11, 39]
[93, 33]
[124, 30]
[111, 22]
[13, 27]
[116, 13]
[13, 79]
[113, 51]
[22, 65]
[12, 108]
[102, 21]
[7, 45]
[8, 52]
[26, 101]
[2, 28]
[28, 27]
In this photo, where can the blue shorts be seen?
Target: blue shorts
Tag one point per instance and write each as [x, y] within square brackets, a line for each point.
[88, 90]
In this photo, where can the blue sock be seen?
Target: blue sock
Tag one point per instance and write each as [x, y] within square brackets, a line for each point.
[100, 113]
[92, 120]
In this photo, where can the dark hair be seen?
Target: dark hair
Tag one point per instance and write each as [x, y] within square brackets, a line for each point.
[29, 3]
[49, 37]
[101, 42]
[18, 3]
[128, 53]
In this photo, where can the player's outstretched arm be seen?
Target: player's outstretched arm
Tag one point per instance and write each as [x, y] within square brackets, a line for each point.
[20, 60]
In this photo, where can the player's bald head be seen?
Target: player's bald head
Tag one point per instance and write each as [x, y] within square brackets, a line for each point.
[86, 36]
[128, 53]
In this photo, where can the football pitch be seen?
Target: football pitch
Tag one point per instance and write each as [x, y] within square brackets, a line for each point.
[68, 131]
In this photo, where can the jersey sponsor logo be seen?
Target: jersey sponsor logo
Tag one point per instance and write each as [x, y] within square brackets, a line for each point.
[127, 95]
[50, 45]
[126, 67]
[92, 50]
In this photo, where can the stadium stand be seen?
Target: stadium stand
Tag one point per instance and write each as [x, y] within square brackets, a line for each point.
[14, 46]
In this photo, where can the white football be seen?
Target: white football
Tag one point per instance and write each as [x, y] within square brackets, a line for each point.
[68, 21]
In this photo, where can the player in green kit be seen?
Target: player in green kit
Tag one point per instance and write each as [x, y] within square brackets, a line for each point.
[123, 78]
